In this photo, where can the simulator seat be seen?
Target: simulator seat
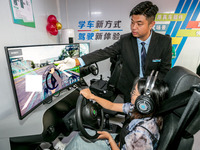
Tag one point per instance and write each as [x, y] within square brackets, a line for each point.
[181, 111]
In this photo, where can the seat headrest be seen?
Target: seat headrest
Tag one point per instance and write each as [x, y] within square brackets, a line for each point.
[180, 79]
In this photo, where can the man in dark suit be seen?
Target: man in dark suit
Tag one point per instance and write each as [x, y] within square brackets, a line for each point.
[141, 51]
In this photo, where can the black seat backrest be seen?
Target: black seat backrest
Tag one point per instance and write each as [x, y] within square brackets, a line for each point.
[179, 80]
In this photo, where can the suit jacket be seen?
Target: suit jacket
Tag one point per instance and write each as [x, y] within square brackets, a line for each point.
[158, 58]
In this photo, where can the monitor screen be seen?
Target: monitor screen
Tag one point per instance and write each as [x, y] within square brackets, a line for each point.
[84, 48]
[34, 74]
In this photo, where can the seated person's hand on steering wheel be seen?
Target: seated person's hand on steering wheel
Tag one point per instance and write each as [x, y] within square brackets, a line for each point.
[65, 64]
[104, 135]
[87, 93]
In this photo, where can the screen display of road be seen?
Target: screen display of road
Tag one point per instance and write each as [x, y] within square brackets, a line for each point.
[34, 74]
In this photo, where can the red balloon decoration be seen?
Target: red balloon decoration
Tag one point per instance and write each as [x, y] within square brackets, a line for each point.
[50, 27]
[54, 32]
[52, 19]
[53, 25]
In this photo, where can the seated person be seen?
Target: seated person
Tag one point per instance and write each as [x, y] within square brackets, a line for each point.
[140, 131]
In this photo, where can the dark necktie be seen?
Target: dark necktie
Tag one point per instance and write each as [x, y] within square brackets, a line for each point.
[143, 56]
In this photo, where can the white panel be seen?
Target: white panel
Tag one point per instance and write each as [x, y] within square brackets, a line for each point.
[63, 13]
[190, 55]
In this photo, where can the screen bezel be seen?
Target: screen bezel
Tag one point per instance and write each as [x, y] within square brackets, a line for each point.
[47, 99]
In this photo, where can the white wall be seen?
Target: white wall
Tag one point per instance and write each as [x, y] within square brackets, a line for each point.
[190, 55]
[13, 34]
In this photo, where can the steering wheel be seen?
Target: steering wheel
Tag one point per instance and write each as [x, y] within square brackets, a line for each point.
[87, 112]
[53, 82]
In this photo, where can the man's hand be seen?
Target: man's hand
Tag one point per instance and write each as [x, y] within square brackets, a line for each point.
[65, 64]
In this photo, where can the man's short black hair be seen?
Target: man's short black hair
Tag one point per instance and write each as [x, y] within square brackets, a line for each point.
[145, 8]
